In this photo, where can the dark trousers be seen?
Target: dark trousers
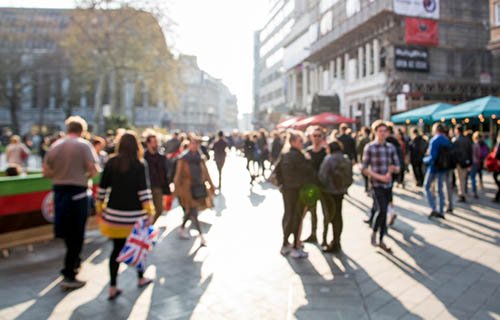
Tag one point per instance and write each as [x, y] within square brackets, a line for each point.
[71, 210]
[118, 245]
[313, 209]
[333, 215]
[496, 177]
[418, 171]
[367, 183]
[292, 218]
[381, 197]
[193, 216]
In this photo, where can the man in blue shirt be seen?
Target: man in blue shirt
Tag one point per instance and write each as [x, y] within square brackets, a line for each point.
[434, 169]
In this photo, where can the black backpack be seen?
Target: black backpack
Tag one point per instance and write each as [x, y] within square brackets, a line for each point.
[446, 159]
[342, 174]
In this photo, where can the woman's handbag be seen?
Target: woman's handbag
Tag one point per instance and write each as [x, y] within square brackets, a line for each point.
[199, 191]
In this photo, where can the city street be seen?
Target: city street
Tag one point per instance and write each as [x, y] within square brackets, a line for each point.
[439, 269]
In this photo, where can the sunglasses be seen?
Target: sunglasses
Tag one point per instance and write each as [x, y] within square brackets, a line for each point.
[317, 135]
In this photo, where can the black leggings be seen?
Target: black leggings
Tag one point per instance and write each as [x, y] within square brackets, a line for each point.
[118, 245]
[292, 219]
[333, 214]
[193, 216]
[496, 177]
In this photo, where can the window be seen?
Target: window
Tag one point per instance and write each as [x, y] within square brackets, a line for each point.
[352, 7]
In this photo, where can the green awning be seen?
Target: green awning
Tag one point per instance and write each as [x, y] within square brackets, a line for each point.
[425, 113]
[487, 107]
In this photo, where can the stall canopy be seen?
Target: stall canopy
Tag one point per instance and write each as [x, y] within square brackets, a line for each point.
[323, 119]
[288, 123]
[487, 107]
[425, 113]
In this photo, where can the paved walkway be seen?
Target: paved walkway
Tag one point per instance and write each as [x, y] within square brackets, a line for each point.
[438, 270]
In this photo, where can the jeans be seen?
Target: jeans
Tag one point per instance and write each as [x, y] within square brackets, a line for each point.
[429, 179]
[473, 174]
[449, 190]
[418, 172]
[71, 210]
[381, 198]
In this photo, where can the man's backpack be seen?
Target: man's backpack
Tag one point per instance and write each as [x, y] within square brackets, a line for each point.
[445, 159]
[491, 162]
[342, 175]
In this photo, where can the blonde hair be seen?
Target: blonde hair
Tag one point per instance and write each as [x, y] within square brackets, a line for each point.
[15, 139]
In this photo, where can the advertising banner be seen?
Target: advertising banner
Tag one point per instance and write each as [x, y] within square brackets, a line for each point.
[417, 8]
[421, 31]
[408, 58]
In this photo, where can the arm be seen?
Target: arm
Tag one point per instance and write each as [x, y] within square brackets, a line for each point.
[103, 190]
[144, 193]
[324, 171]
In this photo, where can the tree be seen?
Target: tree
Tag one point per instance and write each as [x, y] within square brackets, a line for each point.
[113, 41]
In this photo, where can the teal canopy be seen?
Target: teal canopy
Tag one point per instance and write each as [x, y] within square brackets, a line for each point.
[486, 107]
[425, 113]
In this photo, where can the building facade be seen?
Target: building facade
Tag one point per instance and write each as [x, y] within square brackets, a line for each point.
[494, 44]
[51, 91]
[206, 104]
[375, 58]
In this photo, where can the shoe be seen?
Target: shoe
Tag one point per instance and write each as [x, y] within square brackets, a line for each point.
[183, 233]
[367, 221]
[112, 297]
[311, 239]
[70, 284]
[476, 196]
[144, 283]
[332, 248]
[461, 199]
[392, 219]
[374, 239]
[384, 247]
[440, 216]
[286, 249]
[449, 211]
[433, 214]
[299, 254]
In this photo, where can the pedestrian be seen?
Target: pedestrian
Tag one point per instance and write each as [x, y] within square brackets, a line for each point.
[317, 151]
[438, 162]
[295, 174]
[496, 168]
[70, 162]
[158, 168]
[276, 146]
[124, 183]
[348, 142]
[476, 161]
[380, 161]
[220, 148]
[191, 178]
[172, 145]
[250, 151]
[17, 152]
[363, 141]
[484, 151]
[336, 176]
[99, 147]
[463, 154]
[400, 136]
[391, 138]
[263, 146]
[417, 149]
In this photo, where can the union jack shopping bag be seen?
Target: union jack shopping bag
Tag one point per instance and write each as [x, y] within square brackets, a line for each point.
[139, 242]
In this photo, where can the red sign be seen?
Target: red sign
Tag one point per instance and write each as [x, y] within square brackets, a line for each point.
[422, 32]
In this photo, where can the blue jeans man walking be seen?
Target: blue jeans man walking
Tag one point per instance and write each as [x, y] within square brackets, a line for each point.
[440, 178]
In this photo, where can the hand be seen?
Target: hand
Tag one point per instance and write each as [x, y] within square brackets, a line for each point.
[149, 221]
[387, 177]
[392, 168]
[307, 156]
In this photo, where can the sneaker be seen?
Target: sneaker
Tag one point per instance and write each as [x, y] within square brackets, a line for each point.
[299, 254]
[374, 239]
[71, 284]
[285, 250]
[440, 216]
[384, 247]
[367, 221]
[433, 214]
[449, 211]
[183, 234]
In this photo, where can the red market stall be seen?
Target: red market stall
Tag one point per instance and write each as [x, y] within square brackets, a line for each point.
[325, 119]
[288, 123]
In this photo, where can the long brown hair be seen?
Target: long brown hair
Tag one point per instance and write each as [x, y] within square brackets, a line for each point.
[128, 151]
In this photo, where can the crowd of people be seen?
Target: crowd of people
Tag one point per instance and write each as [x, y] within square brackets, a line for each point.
[312, 168]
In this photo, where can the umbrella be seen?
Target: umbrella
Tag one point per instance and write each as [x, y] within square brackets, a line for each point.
[486, 107]
[288, 123]
[425, 113]
[323, 119]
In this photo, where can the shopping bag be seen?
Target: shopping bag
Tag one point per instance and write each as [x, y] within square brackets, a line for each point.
[140, 241]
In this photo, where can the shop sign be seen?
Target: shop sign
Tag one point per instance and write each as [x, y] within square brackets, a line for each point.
[408, 58]
[417, 8]
[421, 31]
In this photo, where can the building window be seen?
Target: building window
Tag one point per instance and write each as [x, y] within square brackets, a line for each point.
[497, 14]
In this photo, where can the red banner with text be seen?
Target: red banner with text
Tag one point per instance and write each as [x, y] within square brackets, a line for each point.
[422, 32]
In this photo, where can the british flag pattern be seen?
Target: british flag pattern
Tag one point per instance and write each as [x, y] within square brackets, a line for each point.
[140, 241]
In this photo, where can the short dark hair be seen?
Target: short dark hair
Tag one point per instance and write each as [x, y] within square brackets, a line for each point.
[459, 128]
[220, 134]
[336, 145]
[377, 124]
[149, 137]
[76, 124]
[13, 170]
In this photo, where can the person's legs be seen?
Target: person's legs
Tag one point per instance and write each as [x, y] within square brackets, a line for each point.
[118, 245]
[158, 202]
[337, 219]
[382, 197]
[429, 178]
[440, 180]
[449, 191]
[496, 176]
[193, 213]
[289, 198]
[327, 216]
[461, 176]
[314, 223]
[473, 175]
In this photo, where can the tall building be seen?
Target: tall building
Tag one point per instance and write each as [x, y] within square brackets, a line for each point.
[50, 87]
[494, 44]
[368, 59]
[206, 104]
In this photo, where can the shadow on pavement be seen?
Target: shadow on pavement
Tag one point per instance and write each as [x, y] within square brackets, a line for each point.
[460, 284]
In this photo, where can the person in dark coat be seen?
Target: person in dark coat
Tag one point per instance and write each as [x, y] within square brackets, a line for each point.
[219, 148]
[417, 149]
[348, 142]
